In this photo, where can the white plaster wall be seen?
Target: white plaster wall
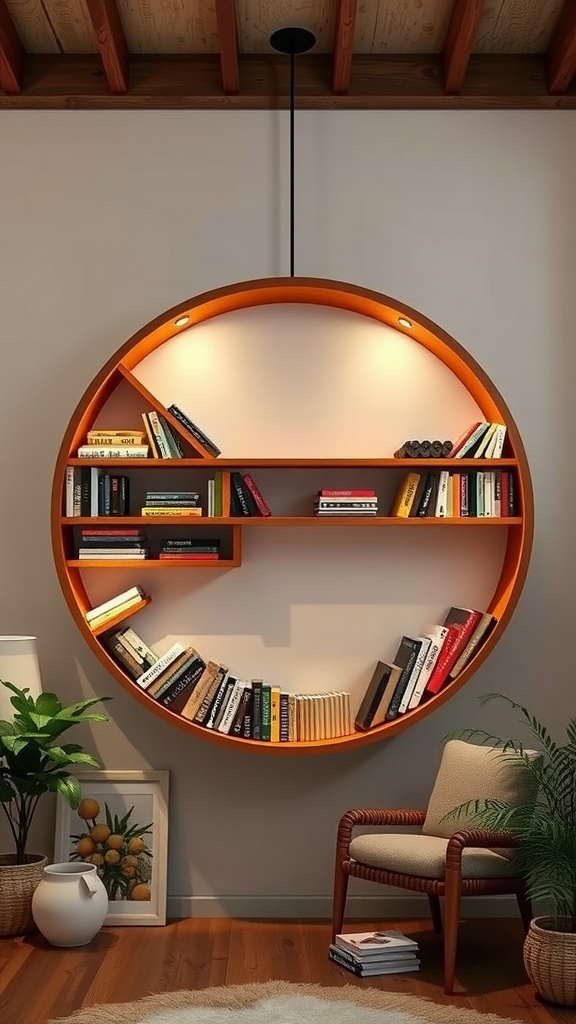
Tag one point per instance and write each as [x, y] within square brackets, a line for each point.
[107, 219]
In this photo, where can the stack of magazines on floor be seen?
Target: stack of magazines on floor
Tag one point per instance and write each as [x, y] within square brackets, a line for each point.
[366, 954]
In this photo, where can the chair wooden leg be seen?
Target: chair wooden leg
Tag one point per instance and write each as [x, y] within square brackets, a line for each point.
[339, 899]
[451, 921]
[435, 912]
[525, 907]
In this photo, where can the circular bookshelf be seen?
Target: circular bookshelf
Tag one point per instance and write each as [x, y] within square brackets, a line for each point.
[120, 376]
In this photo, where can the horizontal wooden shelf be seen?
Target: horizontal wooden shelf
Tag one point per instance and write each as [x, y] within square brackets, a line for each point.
[350, 463]
[152, 563]
[319, 521]
[121, 617]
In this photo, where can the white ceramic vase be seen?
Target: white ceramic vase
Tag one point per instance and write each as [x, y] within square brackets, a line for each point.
[70, 904]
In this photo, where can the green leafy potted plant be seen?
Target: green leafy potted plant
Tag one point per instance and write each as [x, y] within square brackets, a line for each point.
[544, 831]
[33, 762]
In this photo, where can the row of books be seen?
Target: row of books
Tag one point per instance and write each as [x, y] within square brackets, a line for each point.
[346, 503]
[367, 954]
[482, 440]
[159, 439]
[91, 492]
[235, 494]
[131, 545]
[423, 665]
[207, 694]
[446, 494]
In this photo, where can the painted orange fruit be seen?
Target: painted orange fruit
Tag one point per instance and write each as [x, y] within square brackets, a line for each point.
[100, 833]
[89, 808]
[115, 842]
[140, 892]
[85, 846]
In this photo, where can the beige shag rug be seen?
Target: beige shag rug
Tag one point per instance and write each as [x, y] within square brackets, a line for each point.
[280, 1002]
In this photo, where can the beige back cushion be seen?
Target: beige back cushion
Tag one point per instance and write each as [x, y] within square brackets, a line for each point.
[470, 772]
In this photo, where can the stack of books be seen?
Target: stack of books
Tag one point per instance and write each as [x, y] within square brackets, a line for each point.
[172, 503]
[114, 444]
[121, 543]
[114, 606]
[346, 503]
[190, 549]
[366, 954]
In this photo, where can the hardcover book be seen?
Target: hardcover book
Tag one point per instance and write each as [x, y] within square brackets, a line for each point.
[199, 436]
[179, 692]
[405, 495]
[373, 695]
[385, 943]
[405, 658]
[461, 623]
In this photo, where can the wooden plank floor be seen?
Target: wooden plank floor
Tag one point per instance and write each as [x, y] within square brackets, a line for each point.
[38, 982]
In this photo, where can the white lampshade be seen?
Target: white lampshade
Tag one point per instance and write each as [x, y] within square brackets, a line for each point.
[18, 665]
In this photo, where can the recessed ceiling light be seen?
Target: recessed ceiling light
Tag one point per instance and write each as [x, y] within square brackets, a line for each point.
[182, 321]
[404, 322]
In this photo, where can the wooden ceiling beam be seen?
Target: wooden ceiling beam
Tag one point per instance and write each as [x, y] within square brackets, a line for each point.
[11, 54]
[112, 44]
[459, 41]
[228, 42]
[561, 53]
[343, 46]
[403, 82]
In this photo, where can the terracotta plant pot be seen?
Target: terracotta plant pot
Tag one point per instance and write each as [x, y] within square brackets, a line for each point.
[17, 885]
[550, 959]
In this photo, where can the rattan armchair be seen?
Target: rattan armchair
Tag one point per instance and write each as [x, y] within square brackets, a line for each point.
[446, 859]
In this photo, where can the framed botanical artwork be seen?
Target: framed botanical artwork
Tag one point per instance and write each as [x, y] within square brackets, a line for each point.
[121, 826]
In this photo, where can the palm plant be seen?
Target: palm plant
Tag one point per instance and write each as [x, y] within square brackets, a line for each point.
[544, 827]
[32, 760]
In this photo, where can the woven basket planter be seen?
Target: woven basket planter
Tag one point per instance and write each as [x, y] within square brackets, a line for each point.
[17, 885]
[550, 959]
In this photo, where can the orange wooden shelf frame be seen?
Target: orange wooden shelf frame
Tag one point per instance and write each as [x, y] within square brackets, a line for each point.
[269, 291]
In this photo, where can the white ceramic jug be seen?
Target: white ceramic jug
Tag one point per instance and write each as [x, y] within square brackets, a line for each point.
[70, 904]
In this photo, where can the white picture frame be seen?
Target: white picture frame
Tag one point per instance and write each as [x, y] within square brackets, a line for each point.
[135, 803]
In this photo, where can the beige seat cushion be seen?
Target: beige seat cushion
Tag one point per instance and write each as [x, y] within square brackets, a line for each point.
[425, 856]
[470, 772]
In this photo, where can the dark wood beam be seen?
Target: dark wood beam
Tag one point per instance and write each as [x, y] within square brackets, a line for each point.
[11, 54]
[459, 41]
[228, 43]
[561, 54]
[343, 45]
[112, 43]
[404, 82]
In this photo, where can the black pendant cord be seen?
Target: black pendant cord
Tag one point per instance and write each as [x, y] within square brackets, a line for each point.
[292, 102]
[292, 41]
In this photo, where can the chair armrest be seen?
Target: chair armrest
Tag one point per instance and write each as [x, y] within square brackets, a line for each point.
[372, 816]
[475, 837]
